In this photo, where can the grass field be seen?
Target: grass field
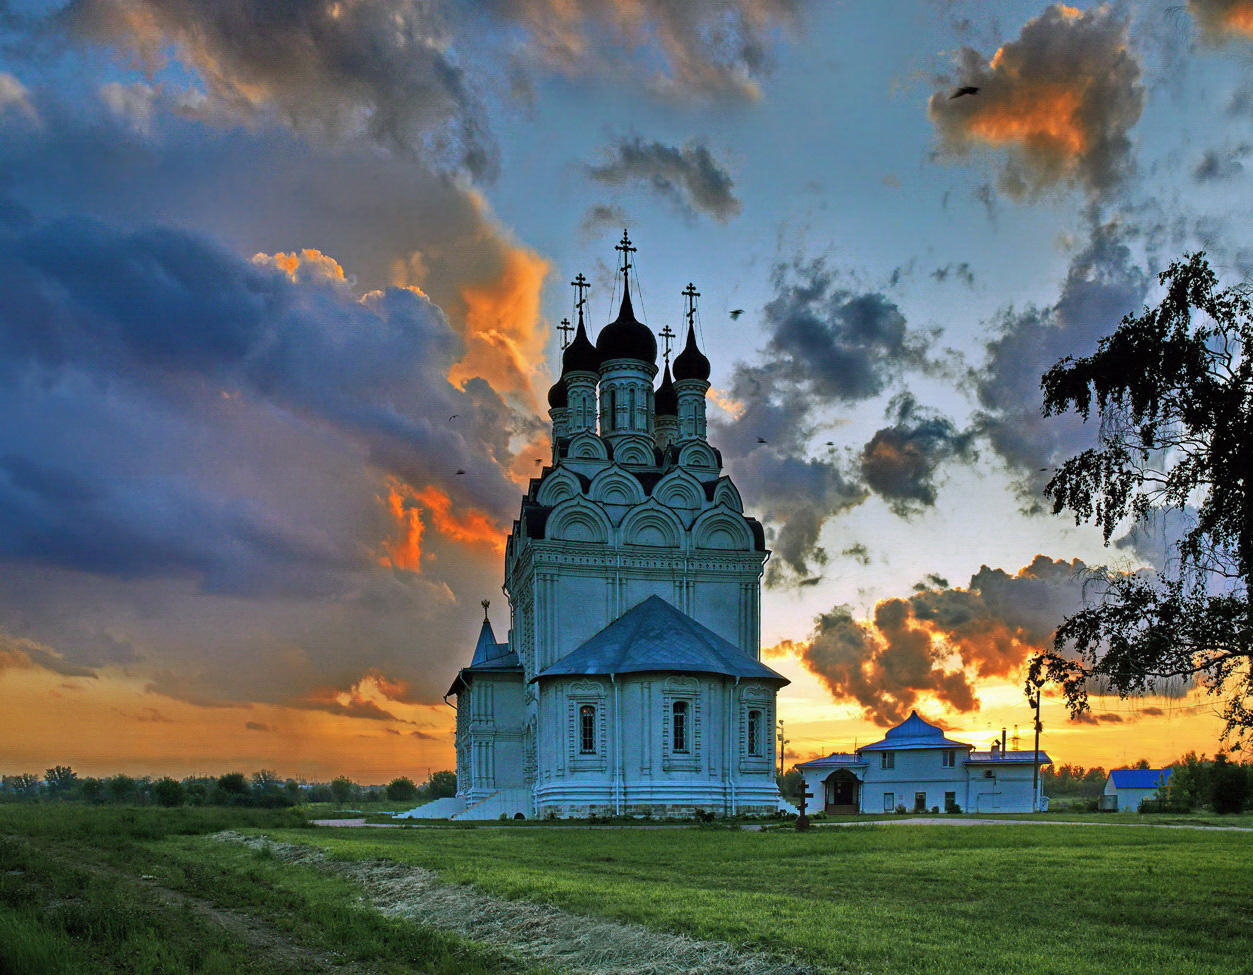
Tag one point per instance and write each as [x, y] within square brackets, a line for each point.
[150, 891]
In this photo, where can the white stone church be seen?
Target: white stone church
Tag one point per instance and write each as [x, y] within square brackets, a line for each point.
[630, 681]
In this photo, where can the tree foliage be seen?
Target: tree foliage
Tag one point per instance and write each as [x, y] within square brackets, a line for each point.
[1173, 387]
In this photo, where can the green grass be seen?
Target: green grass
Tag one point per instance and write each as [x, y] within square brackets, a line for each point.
[144, 891]
[883, 899]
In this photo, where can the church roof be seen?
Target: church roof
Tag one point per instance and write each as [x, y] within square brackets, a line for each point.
[914, 732]
[489, 657]
[656, 637]
[691, 362]
[626, 337]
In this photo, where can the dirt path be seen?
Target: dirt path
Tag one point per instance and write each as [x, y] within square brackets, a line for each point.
[531, 932]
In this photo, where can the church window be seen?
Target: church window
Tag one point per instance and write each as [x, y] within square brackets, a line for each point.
[754, 732]
[887, 760]
[679, 726]
[631, 408]
[610, 419]
[587, 730]
[950, 758]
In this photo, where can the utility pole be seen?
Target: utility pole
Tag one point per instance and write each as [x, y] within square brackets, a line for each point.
[783, 743]
[1034, 700]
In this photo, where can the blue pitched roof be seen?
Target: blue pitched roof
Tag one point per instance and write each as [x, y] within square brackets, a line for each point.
[1139, 778]
[913, 732]
[654, 636]
[489, 656]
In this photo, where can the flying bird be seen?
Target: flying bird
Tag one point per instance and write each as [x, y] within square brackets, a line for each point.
[736, 313]
[761, 439]
[539, 460]
[964, 90]
[460, 472]
[830, 443]
[453, 417]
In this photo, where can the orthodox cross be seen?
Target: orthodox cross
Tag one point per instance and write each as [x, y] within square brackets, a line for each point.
[802, 821]
[565, 329]
[691, 294]
[667, 334]
[582, 284]
[624, 245]
[485, 603]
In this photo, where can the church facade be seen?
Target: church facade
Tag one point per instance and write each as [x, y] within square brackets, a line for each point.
[630, 681]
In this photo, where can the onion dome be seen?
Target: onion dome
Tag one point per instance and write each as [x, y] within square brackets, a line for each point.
[580, 355]
[626, 338]
[558, 396]
[691, 362]
[665, 399]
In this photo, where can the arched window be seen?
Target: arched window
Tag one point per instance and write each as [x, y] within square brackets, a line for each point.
[611, 419]
[587, 730]
[754, 732]
[679, 718]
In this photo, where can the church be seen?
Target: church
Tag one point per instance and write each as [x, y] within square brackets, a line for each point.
[630, 680]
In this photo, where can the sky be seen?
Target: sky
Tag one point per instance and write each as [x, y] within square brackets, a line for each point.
[276, 272]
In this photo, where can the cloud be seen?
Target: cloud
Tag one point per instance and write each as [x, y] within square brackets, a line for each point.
[899, 462]
[382, 69]
[1220, 19]
[18, 653]
[1062, 99]
[1217, 165]
[827, 346]
[688, 176]
[1102, 285]
[15, 97]
[959, 272]
[258, 726]
[936, 643]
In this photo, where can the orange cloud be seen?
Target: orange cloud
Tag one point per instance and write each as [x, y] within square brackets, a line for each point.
[1061, 99]
[404, 549]
[469, 526]
[504, 333]
[1220, 18]
[307, 265]
[406, 507]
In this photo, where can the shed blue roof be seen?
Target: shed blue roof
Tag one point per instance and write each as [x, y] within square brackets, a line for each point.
[654, 636]
[914, 732]
[1139, 778]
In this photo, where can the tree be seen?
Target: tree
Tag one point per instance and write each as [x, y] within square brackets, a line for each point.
[1229, 786]
[343, 788]
[61, 780]
[121, 787]
[24, 785]
[1173, 387]
[440, 785]
[401, 790]
[168, 793]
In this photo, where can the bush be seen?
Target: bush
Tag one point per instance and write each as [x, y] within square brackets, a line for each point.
[954, 808]
[900, 809]
[168, 793]
[1230, 785]
[402, 790]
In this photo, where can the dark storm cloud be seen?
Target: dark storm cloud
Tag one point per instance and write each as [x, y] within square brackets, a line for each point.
[1062, 98]
[383, 67]
[939, 641]
[899, 462]
[125, 342]
[1102, 285]
[687, 176]
[827, 346]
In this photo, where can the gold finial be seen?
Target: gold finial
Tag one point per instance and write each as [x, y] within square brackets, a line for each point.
[485, 603]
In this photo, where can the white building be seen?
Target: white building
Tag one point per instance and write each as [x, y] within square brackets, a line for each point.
[917, 767]
[1126, 788]
[630, 680]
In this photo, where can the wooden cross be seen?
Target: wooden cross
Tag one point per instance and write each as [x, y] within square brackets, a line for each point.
[667, 334]
[565, 329]
[691, 294]
[581, 283]
[624, 245]
[802, 821]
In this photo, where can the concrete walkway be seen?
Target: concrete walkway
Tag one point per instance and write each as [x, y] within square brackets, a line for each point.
[905, 821]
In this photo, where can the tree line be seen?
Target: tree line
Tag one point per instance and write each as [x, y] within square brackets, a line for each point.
[1196, 781]
[263, 789]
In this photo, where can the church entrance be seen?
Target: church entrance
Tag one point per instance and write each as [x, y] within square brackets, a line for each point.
[842, 792]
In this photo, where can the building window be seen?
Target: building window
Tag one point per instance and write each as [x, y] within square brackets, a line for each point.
[889, 801]
[950, 758]
[887, 759]
[754, 732]
[678, 737]
[587, 730]
[610, 406]
[950, 800]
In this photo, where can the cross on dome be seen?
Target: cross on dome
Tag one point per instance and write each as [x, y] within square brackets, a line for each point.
[565, 328]
[624, 245]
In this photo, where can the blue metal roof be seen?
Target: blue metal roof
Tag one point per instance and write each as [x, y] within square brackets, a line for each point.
[834, 760]
[913, 732]
[654, 636]
[1139, 778]
[1010, 757]
[489, 656]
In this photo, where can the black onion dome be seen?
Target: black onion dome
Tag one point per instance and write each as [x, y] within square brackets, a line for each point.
[665, 399]
[691, 362]
[580, 355]
[626, 338]
[558, 397]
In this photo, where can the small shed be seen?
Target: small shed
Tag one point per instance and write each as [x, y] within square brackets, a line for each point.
[1126, 787]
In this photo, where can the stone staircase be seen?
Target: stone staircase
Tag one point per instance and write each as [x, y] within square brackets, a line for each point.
[508, 802]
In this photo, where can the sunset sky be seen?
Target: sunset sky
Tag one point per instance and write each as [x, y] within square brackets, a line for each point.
[275, 271]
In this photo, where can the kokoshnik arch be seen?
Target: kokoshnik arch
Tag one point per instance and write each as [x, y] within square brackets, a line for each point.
[631, 679]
